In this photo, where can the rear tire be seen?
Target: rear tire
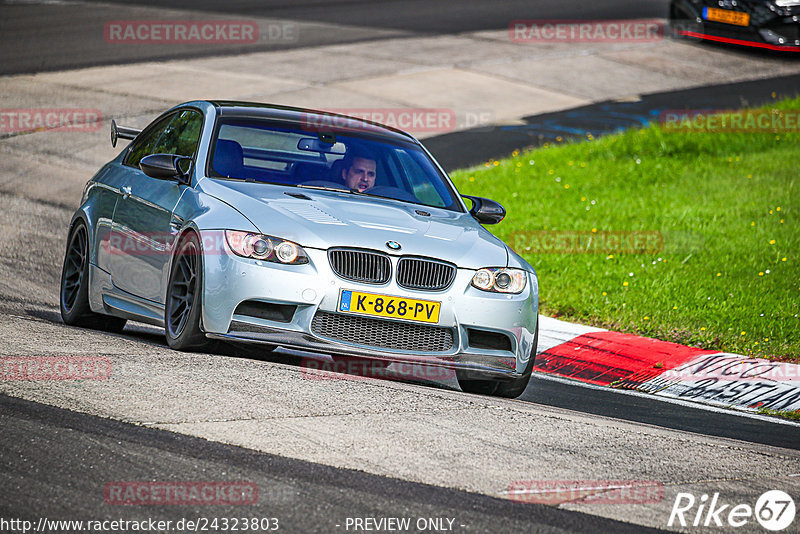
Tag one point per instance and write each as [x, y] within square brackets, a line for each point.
[509, 389]
[74, 294]
[182, 310]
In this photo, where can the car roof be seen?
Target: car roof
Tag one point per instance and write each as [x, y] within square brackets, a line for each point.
[305, 116]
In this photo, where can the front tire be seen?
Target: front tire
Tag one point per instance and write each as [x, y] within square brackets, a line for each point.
[184, 298]
[509, 389]
[74, 294]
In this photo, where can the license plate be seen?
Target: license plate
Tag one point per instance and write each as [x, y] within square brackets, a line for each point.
[423, 311]
[727, 16]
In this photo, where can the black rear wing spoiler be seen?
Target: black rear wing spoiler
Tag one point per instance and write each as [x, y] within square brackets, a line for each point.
[122, 132]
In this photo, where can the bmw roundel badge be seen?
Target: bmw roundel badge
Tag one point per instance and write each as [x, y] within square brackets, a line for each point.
[394, 245]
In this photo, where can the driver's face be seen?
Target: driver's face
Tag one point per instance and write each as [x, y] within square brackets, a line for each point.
[361, 174]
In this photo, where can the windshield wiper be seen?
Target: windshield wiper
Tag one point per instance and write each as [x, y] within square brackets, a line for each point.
[352, 192]
[328, 188]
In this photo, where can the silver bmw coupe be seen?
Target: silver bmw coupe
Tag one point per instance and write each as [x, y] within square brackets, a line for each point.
[289, 227]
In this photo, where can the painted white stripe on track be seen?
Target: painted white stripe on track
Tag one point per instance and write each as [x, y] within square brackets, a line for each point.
[553, 332]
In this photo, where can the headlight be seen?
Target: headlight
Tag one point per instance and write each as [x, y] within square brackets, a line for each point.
[264, 247]
[500, 280]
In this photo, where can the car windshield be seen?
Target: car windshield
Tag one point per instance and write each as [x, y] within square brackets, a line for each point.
[349, 162]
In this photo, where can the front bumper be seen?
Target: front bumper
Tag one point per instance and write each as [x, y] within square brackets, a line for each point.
[313, 288]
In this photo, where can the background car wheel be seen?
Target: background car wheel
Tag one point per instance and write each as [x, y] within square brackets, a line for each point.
[184, 298]
[509, 389]
[74, 294]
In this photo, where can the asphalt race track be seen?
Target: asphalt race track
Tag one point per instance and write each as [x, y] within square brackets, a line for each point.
[471, 147]
[48, 37]
[325, 450]
[306, 497]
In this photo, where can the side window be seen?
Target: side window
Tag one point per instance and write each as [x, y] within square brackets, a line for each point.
[177, 134]
[182, 135]
[143, 146]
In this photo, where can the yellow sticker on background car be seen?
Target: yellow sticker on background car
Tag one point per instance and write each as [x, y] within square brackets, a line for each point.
[737, 18]
[424, 311]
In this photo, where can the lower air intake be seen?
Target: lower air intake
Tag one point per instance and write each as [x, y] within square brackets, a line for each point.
[382, 334]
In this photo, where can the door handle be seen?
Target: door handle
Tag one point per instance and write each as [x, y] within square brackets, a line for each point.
[126, 191]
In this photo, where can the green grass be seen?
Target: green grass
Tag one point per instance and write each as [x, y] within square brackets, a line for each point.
[727, 206]
[781, 413]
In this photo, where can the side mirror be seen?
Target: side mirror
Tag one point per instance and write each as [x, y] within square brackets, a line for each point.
[166, 167]
[486, 211]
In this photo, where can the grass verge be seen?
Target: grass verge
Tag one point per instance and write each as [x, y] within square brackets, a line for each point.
[724, 270]
[794, 415]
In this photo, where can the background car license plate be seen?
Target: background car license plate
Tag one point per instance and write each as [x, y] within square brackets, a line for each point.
[424, 311]
[727, 16]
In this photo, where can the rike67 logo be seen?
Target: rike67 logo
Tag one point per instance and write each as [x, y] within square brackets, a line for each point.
[774, 510]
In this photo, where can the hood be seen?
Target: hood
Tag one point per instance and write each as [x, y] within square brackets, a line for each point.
[323, 219]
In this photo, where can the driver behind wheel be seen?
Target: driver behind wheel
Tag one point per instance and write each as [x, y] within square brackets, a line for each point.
[359, 169]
